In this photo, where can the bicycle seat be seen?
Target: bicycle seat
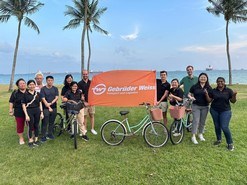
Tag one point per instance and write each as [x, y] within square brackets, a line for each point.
[124, 112]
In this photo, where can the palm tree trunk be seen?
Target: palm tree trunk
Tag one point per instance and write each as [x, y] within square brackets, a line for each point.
[15, 57]
[89, 51]
[83, 37]
[228, 54]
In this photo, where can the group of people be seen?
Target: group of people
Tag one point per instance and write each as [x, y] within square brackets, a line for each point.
[33, 101]
[199, 90]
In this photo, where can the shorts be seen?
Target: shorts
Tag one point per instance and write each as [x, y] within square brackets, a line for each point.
[20, 124]
[163, 106]
[89, 110]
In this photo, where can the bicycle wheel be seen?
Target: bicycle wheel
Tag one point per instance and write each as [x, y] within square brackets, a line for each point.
[189, 122]
[176, 132]
[113, 133]
[75, 134]
[156, 134]
[58, 125]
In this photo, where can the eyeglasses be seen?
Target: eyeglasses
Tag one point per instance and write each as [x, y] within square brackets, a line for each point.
[220, 81]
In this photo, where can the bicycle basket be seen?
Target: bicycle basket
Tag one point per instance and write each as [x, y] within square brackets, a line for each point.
[156, 114]
[74, 107]
[177, 112]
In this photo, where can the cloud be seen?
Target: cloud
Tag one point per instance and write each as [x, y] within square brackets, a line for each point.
[215, 49]
[6, 48]
[131, 36]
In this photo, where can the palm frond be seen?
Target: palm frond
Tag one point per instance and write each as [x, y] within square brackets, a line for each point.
[28, 22]
[4, 18]
[237, 19]
[34, 9]
[99, 29]
[74, 23]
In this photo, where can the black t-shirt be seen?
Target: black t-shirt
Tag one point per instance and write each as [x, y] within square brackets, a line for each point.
[161, 88]
[16, 98]
[176, 92]
[74, 96]
[221, 99]
[84, 86]
[28, 98]
[49, 94]
[65, 89]
[199, 94]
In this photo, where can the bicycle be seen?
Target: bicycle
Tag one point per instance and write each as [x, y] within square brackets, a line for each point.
[182, 119]
[61, 124]
[113, 131]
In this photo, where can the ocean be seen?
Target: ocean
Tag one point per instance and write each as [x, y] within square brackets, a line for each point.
[238, 76]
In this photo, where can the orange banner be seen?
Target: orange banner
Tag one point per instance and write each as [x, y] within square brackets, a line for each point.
[123, 88]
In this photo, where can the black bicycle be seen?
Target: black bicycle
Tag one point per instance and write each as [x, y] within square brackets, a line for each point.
[70, 124]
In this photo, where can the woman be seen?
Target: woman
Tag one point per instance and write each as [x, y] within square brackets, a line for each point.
[33, 110]
[220, 110]
[200, 106]
[176, 93]
[15, 108]
[67, 81]
[75, 95]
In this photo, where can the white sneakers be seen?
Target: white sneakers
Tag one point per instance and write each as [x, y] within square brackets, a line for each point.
[200, 136]
[94, 132]
[193, 139]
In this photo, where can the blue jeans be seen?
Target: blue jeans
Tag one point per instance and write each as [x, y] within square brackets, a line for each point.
[221, 122]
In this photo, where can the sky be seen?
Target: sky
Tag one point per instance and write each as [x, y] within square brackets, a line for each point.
[143, 34]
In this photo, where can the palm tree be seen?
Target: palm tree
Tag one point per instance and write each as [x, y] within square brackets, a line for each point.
[232, 10]
[18, 9]
[87, 15]
[93, 21]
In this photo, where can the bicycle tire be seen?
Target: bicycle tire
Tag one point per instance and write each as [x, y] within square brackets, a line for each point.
[113, 133]
[58, 124]
[189, 122]
[156, 134]
[75, 134]
[176, 132]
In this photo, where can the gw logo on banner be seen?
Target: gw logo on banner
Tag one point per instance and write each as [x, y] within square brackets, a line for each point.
[123, 88]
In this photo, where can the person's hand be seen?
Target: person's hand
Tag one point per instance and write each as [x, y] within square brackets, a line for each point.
[157, 103]
[86, 104]
[192, 98]
[235, 93]
[27, 118]
[41, 115]
[11, 113]
[50, 109]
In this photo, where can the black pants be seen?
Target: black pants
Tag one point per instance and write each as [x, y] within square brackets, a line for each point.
[33, 124]
[49, 119]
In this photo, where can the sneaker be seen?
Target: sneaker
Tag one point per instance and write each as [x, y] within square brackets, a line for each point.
[230, 147]
[51, 137]
[193, 139]
[21, 142]
[37, 143]
[201, 137]
[43, 139]
[94, 132]
[217, 143]
[31, 145]
[84, 137]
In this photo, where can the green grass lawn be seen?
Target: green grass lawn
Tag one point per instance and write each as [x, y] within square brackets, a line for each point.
[133, 162]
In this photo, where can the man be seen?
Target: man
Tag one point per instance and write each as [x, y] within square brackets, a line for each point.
[49, 96]
[163, 88]
[39, 81]
[188, 81]
[89, 110]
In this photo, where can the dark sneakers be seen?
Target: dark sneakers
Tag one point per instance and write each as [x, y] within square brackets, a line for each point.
[31, 145]
[84, 137]
[51, 137]
[230, 147]
[37, 143]
[43, 139]
[217, 143]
